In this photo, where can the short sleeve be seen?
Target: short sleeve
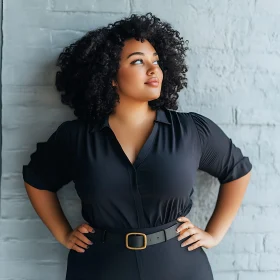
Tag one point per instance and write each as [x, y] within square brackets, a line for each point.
[50, 165]
[219, 155]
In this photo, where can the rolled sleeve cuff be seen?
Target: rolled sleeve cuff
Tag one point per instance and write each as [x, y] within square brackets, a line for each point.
[243, 167]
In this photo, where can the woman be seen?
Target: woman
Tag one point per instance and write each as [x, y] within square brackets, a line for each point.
[133, 159]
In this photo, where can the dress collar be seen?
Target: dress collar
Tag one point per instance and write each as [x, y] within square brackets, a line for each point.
[161, 116]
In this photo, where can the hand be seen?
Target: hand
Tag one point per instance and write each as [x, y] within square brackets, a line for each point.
[199, 237]
[75, 239]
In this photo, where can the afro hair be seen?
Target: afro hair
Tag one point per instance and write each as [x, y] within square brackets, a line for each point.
[88, 65]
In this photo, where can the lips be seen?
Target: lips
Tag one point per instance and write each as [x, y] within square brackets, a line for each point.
[152, 81]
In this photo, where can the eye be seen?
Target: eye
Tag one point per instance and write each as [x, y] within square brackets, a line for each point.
[133, 62]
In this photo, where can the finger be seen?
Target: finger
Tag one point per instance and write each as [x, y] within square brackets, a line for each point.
[192, 239]
[82, 237]
[185, 225]
[81, 244]
[78, 249]
[183, 219]
[70, 244]
[89, 228]
[186, 233]
[193, 230]
[85, 228]
[195, 245]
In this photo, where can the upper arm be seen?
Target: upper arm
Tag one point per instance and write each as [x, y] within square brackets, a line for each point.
[50, 165]
[219, 157]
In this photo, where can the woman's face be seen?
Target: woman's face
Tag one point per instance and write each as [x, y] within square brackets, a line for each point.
[138, 63]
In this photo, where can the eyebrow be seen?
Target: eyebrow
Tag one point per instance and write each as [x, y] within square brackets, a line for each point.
[139, 53]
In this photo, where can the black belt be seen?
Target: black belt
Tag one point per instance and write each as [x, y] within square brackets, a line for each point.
[133, 240]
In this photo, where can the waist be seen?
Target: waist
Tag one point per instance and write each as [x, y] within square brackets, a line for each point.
[135, 238]
[146, 230]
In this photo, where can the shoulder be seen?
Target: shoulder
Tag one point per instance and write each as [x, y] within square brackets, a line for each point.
[187, 115]
[188, 123]
[177, 115]
[71, 124]
[68, 132]
[203, 126]
[190, 119]
[71, 127]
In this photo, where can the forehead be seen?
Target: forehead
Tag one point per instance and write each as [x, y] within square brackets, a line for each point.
[132, 45]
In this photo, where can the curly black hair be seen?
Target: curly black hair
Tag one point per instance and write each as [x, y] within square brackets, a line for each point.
[89, 65]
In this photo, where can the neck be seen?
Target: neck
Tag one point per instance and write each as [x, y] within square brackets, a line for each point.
[133, 115]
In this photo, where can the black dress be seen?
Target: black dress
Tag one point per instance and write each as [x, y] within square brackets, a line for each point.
[148, 195]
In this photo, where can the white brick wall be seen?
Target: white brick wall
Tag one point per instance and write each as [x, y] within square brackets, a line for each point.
[234, 79]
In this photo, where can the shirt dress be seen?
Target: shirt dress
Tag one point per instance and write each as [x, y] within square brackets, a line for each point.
[147, 195]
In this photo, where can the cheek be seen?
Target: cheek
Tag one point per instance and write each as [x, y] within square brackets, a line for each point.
[130, 77]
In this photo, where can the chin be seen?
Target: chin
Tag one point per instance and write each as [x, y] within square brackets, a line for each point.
[154, 96]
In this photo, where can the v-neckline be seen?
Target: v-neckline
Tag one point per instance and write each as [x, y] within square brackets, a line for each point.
[144, 151]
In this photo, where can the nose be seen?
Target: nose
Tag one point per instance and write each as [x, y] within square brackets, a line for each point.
[152, 69]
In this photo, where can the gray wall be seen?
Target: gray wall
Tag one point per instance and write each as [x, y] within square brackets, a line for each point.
[234, 78]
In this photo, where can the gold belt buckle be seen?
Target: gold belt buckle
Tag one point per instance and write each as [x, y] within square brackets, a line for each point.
[134, 248]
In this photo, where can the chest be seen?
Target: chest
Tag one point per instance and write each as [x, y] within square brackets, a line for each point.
[131, 140]
[149, 163]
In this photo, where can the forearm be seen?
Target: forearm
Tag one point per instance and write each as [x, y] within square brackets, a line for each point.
[48, 208]
[228, 202]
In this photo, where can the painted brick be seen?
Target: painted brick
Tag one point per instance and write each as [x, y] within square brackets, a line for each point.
[233, 78]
